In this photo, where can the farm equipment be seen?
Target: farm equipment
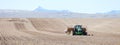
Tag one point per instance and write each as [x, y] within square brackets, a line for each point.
[77, 30]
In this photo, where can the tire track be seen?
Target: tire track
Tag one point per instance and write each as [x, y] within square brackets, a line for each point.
[20, 26]
[3, 39]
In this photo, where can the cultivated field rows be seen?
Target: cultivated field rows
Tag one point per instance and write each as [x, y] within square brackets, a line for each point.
[43, 31]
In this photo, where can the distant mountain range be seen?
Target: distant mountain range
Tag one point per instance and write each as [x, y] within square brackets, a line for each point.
[40, 9]
[113, 12]
[45, 13]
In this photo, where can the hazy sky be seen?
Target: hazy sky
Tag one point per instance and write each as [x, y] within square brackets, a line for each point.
[83, 6]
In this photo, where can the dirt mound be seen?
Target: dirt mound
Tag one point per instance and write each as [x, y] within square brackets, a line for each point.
[43, 31]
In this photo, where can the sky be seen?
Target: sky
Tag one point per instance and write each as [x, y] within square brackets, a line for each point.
[81, 6]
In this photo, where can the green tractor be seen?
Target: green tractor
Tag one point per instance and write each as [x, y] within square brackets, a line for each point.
[79, 30]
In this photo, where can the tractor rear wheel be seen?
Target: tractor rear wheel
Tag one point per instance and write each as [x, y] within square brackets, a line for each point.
[84, 33]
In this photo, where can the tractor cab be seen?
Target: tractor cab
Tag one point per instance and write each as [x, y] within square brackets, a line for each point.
[78, 30]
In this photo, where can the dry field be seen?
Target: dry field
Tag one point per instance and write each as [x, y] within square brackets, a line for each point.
[42, 31]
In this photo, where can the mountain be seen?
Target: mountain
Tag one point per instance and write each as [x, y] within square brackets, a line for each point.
[114, 12]
[40, 9]
[52, 14]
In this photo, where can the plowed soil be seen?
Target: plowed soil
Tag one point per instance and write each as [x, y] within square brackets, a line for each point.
[50, 31]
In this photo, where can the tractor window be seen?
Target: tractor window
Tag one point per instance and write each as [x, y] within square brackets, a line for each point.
[78, 28]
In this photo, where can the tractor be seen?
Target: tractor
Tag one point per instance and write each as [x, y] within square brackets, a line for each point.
[77, 30]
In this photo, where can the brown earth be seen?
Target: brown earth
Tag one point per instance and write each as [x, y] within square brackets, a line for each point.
[50, 31]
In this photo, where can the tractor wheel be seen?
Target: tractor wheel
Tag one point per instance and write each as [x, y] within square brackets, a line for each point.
[84, 33]
[73, 33]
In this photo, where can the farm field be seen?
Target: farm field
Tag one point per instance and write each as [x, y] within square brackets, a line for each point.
[50, 31]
